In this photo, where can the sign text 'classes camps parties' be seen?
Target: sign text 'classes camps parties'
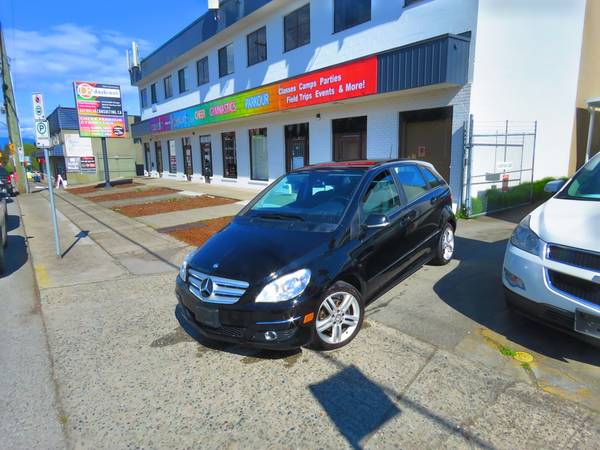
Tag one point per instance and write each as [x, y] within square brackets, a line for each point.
[354, 79]
[99, 109]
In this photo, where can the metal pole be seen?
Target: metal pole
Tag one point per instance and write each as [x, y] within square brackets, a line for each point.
[52, 207]
[105, 159]
[469, 166]
[588, 149]
[533, 161]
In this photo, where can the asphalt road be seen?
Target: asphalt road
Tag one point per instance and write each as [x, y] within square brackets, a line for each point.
[29, 417]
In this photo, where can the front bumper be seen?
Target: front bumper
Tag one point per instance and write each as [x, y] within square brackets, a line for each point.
[538, 298]
[246, 323]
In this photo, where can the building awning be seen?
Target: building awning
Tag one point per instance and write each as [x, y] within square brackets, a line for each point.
[442, 60]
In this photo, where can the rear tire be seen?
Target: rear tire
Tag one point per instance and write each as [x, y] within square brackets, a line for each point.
[445, 246]
[339, 317]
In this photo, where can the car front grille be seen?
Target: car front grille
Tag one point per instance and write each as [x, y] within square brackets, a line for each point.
[223, 290]
[582, 289]
[574, 257]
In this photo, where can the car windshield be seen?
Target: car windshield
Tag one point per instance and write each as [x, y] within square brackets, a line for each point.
[585, 185]
[319, 196]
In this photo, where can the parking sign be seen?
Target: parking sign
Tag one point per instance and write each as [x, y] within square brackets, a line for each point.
[42, 134]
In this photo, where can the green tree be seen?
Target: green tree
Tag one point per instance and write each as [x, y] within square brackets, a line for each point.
[29, 150]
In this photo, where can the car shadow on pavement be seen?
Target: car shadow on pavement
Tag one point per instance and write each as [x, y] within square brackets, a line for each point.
[246, 352]
[474, 288]
[12, 222]
[15, 254]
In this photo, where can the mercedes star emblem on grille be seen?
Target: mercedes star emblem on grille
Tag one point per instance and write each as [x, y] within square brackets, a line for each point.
[206, 287]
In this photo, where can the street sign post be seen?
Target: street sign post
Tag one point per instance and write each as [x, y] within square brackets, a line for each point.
[42, 140]
[38, 107]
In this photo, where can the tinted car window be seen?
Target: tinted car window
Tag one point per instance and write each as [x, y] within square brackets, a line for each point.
[412, 181]
[431, 178]
[312, 196]
[382, 195]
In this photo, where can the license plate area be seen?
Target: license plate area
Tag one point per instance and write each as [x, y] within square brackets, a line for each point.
[587, 323]
[207, 316]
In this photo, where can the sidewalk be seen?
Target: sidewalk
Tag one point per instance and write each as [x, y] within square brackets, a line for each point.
[128, 376]
[204, 188]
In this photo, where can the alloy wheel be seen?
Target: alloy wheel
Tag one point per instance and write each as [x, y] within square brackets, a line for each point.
[338, 317]
[448, 243]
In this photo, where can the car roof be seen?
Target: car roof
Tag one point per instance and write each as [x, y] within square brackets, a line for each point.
[365, 164]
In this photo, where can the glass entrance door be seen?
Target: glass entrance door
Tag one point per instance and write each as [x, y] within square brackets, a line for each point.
[296, 146]
[206, 157]
[188, 166]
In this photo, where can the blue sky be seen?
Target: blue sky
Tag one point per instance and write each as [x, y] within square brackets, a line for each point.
[51, 43]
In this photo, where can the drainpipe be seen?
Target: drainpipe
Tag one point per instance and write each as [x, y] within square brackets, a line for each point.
[592, 104]
[588, 149]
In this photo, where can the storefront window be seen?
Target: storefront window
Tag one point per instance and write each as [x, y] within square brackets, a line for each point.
[172, 156]
[259, 159]
[349, 138]
[229, 155]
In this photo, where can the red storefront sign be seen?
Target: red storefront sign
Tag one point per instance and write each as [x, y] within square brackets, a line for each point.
[351, 80]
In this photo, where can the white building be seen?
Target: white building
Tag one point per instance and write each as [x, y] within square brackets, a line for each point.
[263, 86]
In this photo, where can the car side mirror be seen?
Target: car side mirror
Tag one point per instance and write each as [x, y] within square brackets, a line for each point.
[377, 221]
[553, 187]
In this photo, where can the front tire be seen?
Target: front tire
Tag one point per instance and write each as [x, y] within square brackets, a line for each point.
[445, 246]
[339, 317]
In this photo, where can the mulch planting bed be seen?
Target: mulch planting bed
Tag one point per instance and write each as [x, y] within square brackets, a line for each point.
[176, 204]
[198, 233]
[133, 194]
[90, 189]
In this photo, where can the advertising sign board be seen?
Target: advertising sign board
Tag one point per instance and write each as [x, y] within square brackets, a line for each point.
[76, 145]
[88, 164]
[73, 164]
[350, 80]
[99, 109]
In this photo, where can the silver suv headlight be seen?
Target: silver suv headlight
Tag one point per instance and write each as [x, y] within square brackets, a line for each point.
[525, 239]
[285, 288]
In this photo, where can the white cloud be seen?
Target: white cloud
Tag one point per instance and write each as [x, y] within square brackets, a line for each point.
[49, 61]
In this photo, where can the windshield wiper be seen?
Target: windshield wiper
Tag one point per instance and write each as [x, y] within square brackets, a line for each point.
[280, 216]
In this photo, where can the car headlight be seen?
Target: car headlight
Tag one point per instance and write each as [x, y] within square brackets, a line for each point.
[285, 288]
[525, 239]
[183, 268]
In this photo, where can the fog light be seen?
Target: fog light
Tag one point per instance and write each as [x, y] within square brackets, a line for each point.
[270, 335]
[513, 280]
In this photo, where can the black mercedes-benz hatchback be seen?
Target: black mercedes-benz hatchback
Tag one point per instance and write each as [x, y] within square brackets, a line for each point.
[298, 264]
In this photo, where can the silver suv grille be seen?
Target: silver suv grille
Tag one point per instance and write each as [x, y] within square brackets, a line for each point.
[213, 289]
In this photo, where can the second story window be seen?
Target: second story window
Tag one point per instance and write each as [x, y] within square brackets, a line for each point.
[168, 87]
[257, 46]
[296, 28]
[144, 98]
[226, 60]
[181, 80]
[349, 13]
[153, 97]
[202, 71]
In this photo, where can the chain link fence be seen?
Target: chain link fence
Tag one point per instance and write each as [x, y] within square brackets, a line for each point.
[500, 158]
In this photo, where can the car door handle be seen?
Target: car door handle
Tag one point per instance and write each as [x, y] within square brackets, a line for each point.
[434, 200]
[408, 218]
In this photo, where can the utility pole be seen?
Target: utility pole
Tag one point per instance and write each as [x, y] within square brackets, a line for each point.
[12, 121]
